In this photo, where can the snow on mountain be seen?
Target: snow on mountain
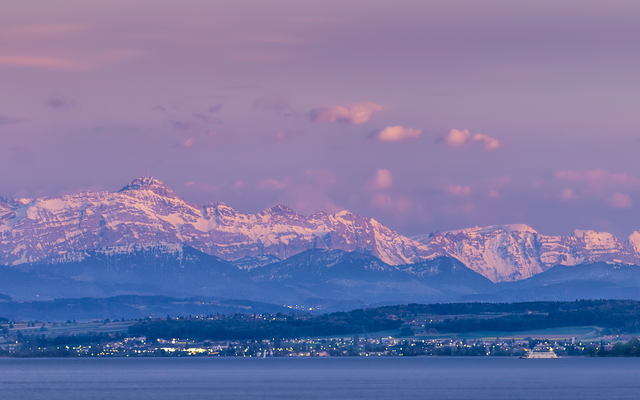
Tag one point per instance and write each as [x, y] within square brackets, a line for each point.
[146, 212]
[515, 252]
[634, 241]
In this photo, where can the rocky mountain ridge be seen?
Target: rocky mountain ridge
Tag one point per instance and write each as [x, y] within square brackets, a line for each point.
[147, 212]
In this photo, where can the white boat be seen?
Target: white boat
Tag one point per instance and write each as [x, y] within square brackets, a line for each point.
[541, 354]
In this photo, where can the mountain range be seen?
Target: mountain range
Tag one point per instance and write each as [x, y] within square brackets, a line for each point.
[146, 213]
[313, 280]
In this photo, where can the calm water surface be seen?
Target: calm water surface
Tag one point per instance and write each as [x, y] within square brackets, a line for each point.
[316, 378]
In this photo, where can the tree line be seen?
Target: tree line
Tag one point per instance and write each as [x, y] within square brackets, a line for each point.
[239, 327]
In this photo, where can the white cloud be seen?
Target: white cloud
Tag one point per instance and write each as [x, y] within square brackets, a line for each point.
[382, 180]
[459, 138]
[599, 178]
[355, 114]
[457, 190]
[619, 200]
[456, 137]
[382, 201]
[397, 133]
[272, 184]
[6, 119]
[489, 142]
[567, 194]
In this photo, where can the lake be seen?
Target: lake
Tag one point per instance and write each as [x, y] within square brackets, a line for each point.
[320, 378]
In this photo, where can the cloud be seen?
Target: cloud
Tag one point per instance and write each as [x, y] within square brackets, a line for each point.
[397, 133]
[599, 184]
[356, 114]
[188, 142]
[567, 194]
[272, 183]
[274, 39]
[489, 142]
[214, 109]
[277, 105]
[6, 119]
[382, 201]
[59, 103]
[457, 190]
[205, 117]
[208, 115]
[619, 200]
[261, 57]
[598, 178]
[459, 138]
[382, 180]
[184, 125]
[319, 178]
[80, 61]
[41, 62]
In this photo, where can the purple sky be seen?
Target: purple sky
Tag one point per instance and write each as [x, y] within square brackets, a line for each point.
[426, 115]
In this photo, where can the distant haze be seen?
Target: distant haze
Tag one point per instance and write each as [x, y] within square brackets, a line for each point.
[426, 115]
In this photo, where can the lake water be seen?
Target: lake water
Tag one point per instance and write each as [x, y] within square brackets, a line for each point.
[320, 378]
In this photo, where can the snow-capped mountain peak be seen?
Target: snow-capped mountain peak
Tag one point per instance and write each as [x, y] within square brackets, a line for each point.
[149, 184]
[147, 212]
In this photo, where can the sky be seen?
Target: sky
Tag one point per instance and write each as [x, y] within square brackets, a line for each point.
[425, 115]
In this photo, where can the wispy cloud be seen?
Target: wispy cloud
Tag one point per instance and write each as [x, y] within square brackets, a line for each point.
[272, 183]
[60, 103]
[598, 178]
[359, 113]
[457, 190]
[45, 31]
[598, 184]
[42, 62]
[275, 39]
[567, 194]
[396, 134]
[278, 105]
[205, 117]
[619, 200]
[458, 138]
[184, 125]
[214, 109]
[6, 119]
[73, 62]
[383, 179]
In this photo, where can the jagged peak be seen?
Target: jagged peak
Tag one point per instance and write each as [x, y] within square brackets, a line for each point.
[280, 209]
[634, 240]
[580, 233]
[14, 203]
[493, 228]
[343, 213]
[149, 183]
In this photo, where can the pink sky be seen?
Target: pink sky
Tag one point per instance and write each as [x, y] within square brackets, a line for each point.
[426, 115]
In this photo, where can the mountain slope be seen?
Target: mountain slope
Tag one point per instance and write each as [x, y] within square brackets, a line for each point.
[146, 212]
[325, 276]
[515, 252]
[599, 280]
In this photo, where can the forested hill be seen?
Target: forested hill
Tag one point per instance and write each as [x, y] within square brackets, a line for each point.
[617, 316]
[259, 327]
